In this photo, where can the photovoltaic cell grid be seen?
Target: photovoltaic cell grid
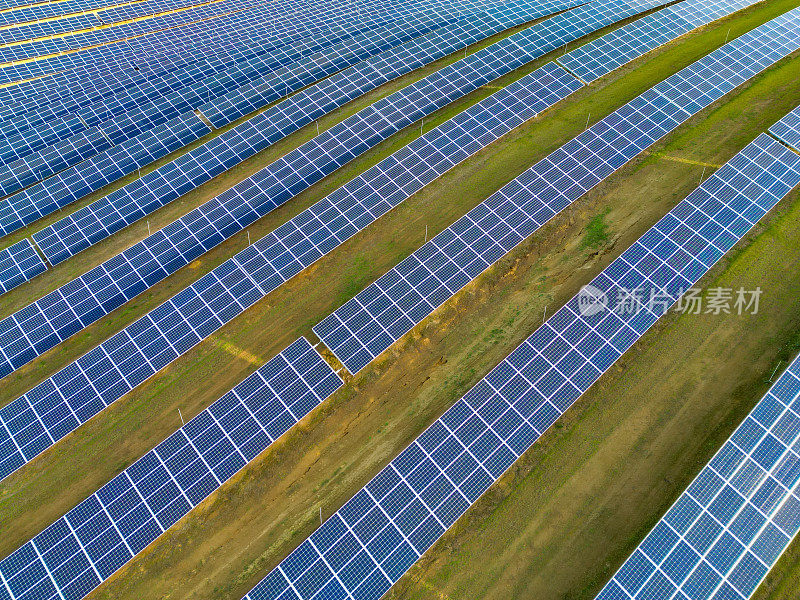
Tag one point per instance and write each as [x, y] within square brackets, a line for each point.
[57, 316]
[27, 333]
[203, 162]
[82, 549]
[368, 324]
[788, 129]
[601, 56]
[232, 37]
[247, 138]
[85, 86]
[131, 111]
[93, 174]
[237, 103]
[115, 32]
[44, 48]
[102, 376]
[325, 153]
[727, 530]
[19, 263]
[377, 535]
[40, 200]
[18, 145]
[140, 350]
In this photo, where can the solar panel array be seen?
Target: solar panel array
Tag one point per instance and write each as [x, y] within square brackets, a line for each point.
[159, 98]
[599, 57]
[18, 145]
[362, 550]
[286, 37]
[37, 12]
[327, 152]
[245, 139]
[137, 352]
[115, 162]
[130, 357]
[221, 35]
[19, 263]
[788, 129]
[93, 540]
[46, 28]
[240, 37]
[727, 530]
[85, 39]
[130, 109]
[373, 320]
[439, 43]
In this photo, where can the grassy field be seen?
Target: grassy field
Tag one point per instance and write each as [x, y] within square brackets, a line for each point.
[614, 464]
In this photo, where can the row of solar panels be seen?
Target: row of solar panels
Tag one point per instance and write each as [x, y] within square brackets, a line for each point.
[79, 391]
[300, 37]
[726, 531]
[224, 152]
[74, 41]
[102, 533]
[153, 145]
[363, 549]
[121, 117]
[124, 54]
[38, 12]
[46, 28]
[146, 86]
[61, 313]
[119, 59]
[22, 26]
[601, 56]
[229, 38]
[25, 207]
[372, 541]
[132, 111]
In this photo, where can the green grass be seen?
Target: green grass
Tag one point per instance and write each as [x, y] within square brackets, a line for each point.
[596, 232]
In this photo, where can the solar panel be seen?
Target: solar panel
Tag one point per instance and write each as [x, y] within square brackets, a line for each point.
[242, 28]
[132, 110]
[133, 355]
[788, 129]
[72, 307]
[363, 549]
[371, 322]
[254, 135]
[599, 57]
[727, 530]
[93, 540]
[19, 263]
[464, 76]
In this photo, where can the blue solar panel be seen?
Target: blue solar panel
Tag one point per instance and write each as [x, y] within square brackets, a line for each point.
[376, 536]
[72, 307]
[64, 239]
[19, 263]
[371, 322]
[248, 138]
[131, 111]
[93, 540]
[601, 56]
[788, 129]
[133, 355]
[727, 530]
